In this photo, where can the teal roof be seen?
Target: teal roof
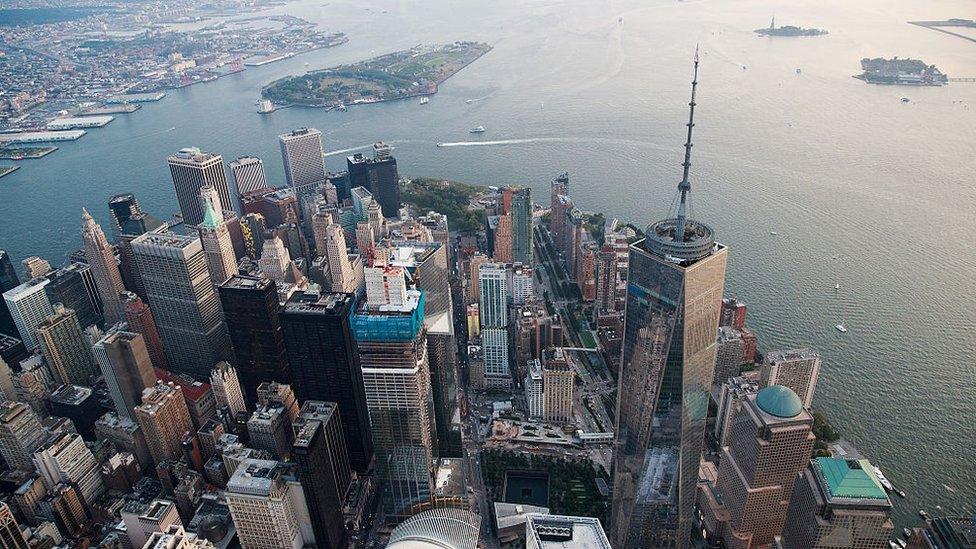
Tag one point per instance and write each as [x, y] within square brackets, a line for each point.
[853, 479]
[210, 216]
[779, 401]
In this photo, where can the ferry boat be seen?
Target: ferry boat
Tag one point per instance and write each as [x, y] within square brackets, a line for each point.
[267, 107]
[883, 480]
[905, 100]
[842, 329]
[424, 100]
[836, 286]
[479, 129]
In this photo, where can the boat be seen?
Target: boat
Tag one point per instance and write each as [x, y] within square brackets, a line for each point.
[907, 532]
[440, 144]
[479, 129]
[267, 107]
[773, 233]
[841, 328]
[469, 101]
[882, 479]
[892, 545]
[901, 493]
[798, 71]
[424, 100]
[901, 543]
[924, 514]
[836, 286]
[341, 107]
[905, 100]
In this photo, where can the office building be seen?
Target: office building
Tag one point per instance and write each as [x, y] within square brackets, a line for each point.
[65, 458]
[185, 306]
[126, 435]
[165, 420]
[251, 307]
[770, 444]
[8, 281]
[280, 395]
[80, 405]
[606, 282]
[199, 396]
[500, 228]
[446, 528]
[493, 280]
[137, 224]
[70, 286]
[276, 262]
[442, 356]
[270, 430]
[277, 207]
[11, 537]
[558, 380]
[248, 174]
[324, 364]
[105, 269]
[301, 153]
[379, 176]
[586, 272]
[67, 351]
[20, 435]
[474, 268]
[29, 306]
[252, 232]
[426, 267]
[945, 533]
[729, 399]
[35, 266]
[323, 470]
[675, 283]
[522, 284]
[140, 320]
[522, 251]
[838, 502]
[122, 207]
[797, 369]
[733, 313]
[268, 509]
[534, 388]
[215, 238]
[340, 272]
[392, 346]
[142, 520]
[33, 382]
[227, 389]
[559, 532]
[191, 169]
[728, 355]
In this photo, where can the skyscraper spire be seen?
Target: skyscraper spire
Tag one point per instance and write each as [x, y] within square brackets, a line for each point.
[685, 186]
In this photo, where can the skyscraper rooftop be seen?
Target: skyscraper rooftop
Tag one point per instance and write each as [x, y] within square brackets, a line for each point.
[849, 479]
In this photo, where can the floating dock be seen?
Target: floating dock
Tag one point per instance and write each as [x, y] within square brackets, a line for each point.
[119, 108]
[40, 137]
[135, 98]
[79, 122]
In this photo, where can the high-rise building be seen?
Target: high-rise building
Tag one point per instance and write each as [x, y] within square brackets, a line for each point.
[493, 280]
[191, 169]
[324, 364]
[442, 355]
[675, 284]
[101, 258]
[728, 355]
[837, 502]
[65, 458]
[301, 152]
[522, 226]
[323, 470]
[500, 227]
[557, 531]
[378, 175]
[126, 435]
[165, 420]
[11, 536]
[122, 207]
[32, 384]
[80, 405]
[426, 266]
[139, 318]
[142, 520]
[29, 306]
[392, 346]
[534, 388]
[276, 262]
[215, 238]
[35, 266]
[522, 284]
[729, 398]
[267, 507]
[66, 350]
[20, 435]
[138, 223]
[8, 281]
[185, 306]
[281, 395]
[474, 269]
[558, 380]
[341, 275]
[252, 231]
[251, 307]
[797, 369]
[586, 272]
[227, 388]
[770, 444]
[606, 282]
[248, 174]
[69, 286]
[270, 430]
[733, 313]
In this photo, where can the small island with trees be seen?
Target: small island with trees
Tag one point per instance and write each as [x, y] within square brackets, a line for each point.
[788, 30]
[398, 75]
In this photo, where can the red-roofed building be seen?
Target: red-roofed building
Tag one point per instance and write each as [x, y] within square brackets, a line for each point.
[199, 396]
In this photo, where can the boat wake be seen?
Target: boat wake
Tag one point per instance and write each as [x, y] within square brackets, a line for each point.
[349, 150]
[506, 142]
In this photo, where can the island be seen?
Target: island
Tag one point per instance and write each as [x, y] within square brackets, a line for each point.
[895, 71]
[788, 30]
[398, 75]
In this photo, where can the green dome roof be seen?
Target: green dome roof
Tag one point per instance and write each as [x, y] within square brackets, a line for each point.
[779, 401]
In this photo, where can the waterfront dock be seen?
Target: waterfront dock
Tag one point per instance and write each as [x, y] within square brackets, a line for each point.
[24, 138]
[135, 98]
[75, 123]
[120, 108]
[7, 170]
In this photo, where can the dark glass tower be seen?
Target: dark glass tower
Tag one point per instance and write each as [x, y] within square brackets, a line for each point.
[324, 364]
[68, 287]
[379, 176]
[323, 470]
[674, 295]
[8, 280]
[251, 308]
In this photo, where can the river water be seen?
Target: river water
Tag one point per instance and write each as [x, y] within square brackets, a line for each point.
[863, 190]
